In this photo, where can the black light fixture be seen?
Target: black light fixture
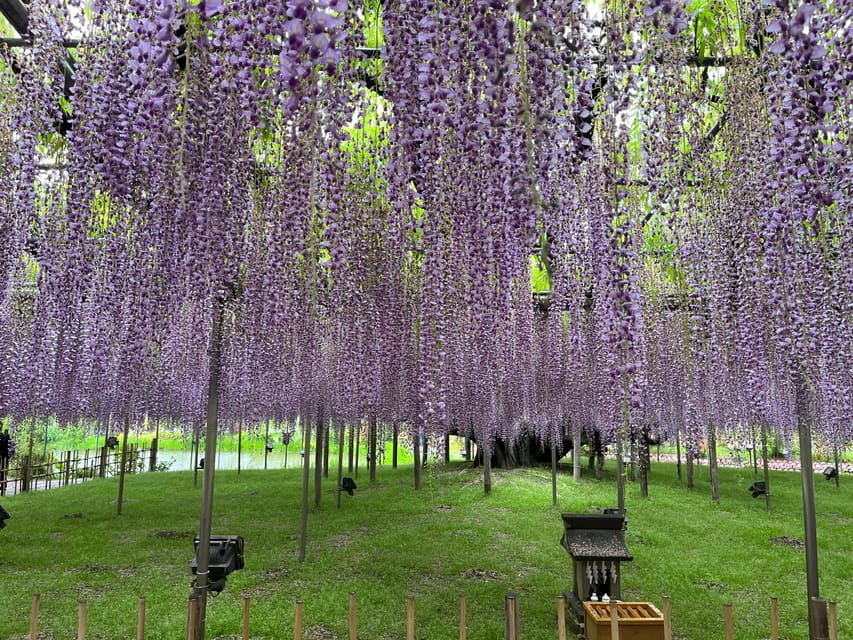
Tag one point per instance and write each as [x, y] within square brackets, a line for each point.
[4, 515]
[348, 485]
[830, 472]
[270, 447]
[225, 555]
[758, 489]
[112, 442]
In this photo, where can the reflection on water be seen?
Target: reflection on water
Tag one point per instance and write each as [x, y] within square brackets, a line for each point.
[183, 460]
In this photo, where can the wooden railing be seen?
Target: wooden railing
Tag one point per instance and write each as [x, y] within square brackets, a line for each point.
[511, 619]
[73, 467]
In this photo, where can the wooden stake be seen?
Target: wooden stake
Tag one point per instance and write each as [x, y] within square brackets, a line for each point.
[730, 627]
[34, 617]
[195, 603]
[297, 625]
[774, 618]
[410, 617]
[833, 618]
[140, 619]
[463, 622]
[561, 617]
[511, 617]
[246, 617]
[667, 620]
[81, 620]
[353, 617]
[614, 621]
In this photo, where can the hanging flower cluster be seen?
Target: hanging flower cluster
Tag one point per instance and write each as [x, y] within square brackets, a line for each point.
[369, 254]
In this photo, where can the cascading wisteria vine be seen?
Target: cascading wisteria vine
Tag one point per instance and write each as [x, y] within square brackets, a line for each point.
[372, 250]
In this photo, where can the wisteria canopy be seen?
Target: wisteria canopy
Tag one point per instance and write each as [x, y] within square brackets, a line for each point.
[362, 192]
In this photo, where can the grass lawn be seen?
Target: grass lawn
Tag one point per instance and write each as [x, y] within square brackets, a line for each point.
[388, 540]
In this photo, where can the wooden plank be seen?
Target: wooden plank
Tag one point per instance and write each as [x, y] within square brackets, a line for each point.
[410, 617]
[561, 617]
[833, 621]
[614, 621]
[297, 625]
[463, 615]
[81, 620]
[774, 618]
[34, 617]
[246, 601]
[140, 619]
[511, 617]
[353, 621]
[730, 625]
[667, 622]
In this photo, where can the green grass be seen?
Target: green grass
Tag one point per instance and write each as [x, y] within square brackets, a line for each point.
[389, 540]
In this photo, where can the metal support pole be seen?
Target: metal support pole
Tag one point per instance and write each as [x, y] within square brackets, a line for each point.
[818, 626]
[198, 598]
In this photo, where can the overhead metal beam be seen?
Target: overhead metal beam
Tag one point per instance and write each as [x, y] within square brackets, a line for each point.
[68, 43]
[17, 13]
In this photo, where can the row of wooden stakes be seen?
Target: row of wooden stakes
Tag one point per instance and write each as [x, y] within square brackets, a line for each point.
[511, 619]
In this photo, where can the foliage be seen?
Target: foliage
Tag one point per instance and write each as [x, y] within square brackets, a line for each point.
[682, 169]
